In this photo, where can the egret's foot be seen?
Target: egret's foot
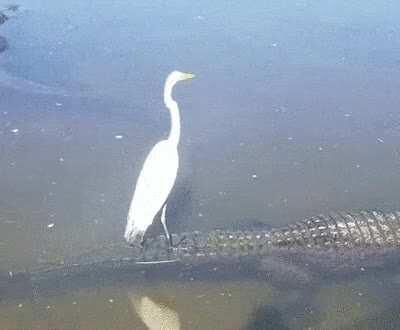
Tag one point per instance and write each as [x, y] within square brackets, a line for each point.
[138, 244]
[180, 241]
[171, 245]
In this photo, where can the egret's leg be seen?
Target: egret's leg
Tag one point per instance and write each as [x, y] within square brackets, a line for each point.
[164, 223]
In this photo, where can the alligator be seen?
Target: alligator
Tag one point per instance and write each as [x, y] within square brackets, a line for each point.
[338, 242]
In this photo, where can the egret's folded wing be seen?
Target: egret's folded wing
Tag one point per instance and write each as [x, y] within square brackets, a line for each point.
[155, 181]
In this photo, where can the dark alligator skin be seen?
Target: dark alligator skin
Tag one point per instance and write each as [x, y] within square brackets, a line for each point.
[336, 233]
[359, 240]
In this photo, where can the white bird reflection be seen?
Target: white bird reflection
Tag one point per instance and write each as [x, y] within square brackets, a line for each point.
[155, 316]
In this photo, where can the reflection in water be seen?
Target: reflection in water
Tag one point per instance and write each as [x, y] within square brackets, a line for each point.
[219, 304]
[155, 316]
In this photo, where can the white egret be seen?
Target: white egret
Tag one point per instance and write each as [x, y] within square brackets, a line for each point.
[158, 174]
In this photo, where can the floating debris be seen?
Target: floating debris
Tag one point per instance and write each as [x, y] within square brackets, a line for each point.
[15, 130]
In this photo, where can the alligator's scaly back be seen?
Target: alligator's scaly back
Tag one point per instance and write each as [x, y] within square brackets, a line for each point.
[337, 241]
[362, 231]
[338, 231]
[343, 230]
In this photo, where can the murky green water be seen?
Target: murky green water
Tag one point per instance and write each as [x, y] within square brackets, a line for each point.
[294, 112]
[366, 303]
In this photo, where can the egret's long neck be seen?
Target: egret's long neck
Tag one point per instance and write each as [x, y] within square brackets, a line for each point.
[172, 105]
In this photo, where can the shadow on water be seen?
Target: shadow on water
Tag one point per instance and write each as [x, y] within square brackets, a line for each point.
[267, 318]
[181, 204]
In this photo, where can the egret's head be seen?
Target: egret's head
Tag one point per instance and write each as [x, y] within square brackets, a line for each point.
[176, 76]
[134, 237]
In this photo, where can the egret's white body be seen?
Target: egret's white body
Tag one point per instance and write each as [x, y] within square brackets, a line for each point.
[158, 175]
[154, 184]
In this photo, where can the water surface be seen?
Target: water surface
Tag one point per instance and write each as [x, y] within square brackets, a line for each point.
[293, 113]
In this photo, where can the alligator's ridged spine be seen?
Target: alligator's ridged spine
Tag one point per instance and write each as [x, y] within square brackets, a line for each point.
[337, 230]
[226, 243]
[359, 230]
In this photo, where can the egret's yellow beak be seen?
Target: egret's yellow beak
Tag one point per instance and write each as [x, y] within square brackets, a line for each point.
[189, 76]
